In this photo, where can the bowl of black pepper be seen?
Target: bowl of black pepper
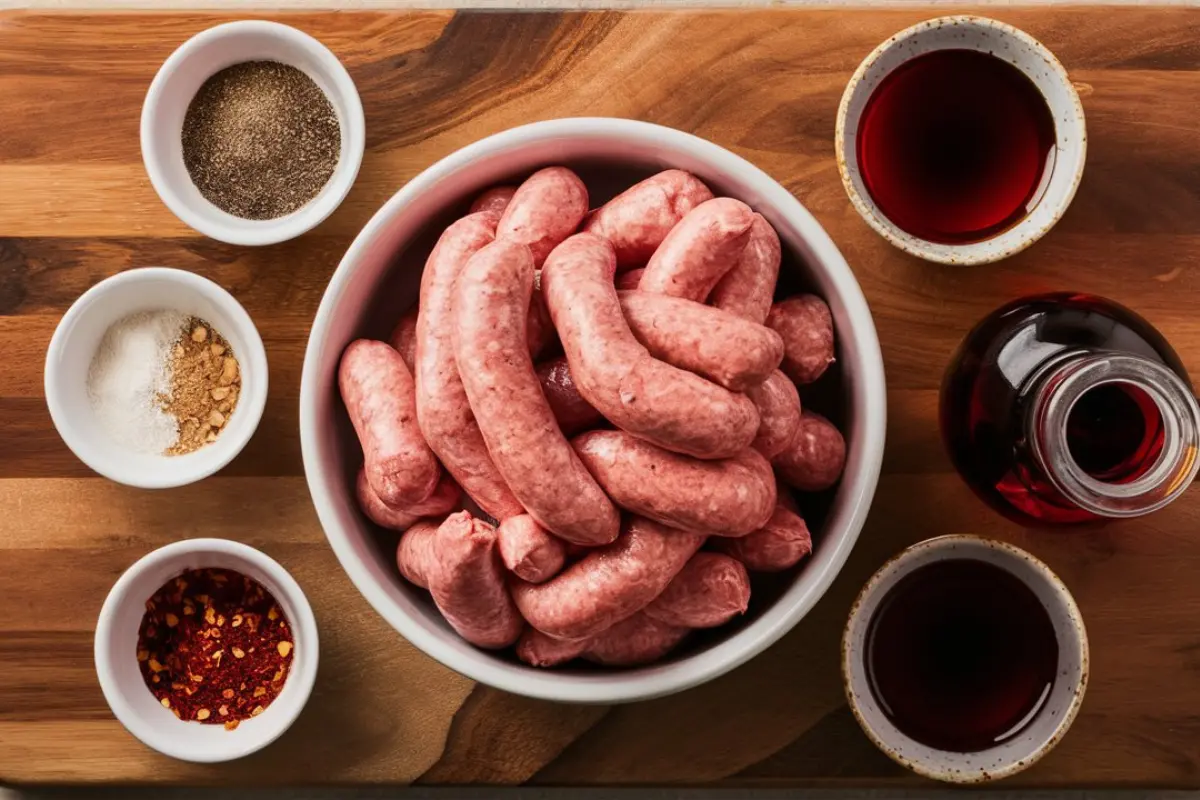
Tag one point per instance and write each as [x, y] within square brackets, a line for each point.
[252, 132]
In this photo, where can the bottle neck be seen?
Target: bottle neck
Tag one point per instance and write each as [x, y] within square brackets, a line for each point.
[1170, 414]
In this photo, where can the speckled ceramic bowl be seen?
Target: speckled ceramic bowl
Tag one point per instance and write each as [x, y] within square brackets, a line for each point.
[1026, 54]
[1051, 721]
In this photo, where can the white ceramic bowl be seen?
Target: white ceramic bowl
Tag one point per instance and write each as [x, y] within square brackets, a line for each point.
[79, 334]
[1054, 716]
[377, 281]
[1026, 54]
[121, 679]
[177, 82]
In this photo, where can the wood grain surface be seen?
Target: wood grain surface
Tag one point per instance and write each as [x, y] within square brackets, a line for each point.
[75, 206]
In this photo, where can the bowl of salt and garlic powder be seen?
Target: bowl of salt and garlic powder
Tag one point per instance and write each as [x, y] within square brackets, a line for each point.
[156, 377]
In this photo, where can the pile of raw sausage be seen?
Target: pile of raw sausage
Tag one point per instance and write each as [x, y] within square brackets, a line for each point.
[618, 390]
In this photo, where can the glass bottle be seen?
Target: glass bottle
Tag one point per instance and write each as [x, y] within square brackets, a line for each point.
[1070, 408]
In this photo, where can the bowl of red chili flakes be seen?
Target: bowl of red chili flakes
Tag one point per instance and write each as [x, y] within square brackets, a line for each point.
[206, 650]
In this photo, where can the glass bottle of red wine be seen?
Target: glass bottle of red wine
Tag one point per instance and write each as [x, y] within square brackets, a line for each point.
[1070, 408]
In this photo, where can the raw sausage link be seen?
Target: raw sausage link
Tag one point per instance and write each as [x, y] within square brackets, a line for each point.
[720, 346]
[619, 378]
[710, 590]
[816, 456]
[539, 650]
[494, 199]
[699, 250]
[630, 279]
[778, 405]
[780, 544]
[806, 326]
[610, 583]
[379, 394]
[528, 550]
[404, 339]
[574, 414]
[415, 553]
[443, 500]
[467, 582]
[730, 497]
[545, 209]
[539, 328]
[442, 407]
[526, 444]
[641, 639]
[636, 221]
[748, 289]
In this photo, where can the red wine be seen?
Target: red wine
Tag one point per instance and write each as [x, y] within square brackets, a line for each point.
[961, 655]
[1115, 433]
[956, 146]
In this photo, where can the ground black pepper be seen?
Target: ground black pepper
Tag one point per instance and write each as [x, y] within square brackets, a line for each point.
[260, 139]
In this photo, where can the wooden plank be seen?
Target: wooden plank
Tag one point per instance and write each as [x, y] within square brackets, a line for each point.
[75, 206]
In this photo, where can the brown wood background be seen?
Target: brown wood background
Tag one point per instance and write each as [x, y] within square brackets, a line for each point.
[75, 206]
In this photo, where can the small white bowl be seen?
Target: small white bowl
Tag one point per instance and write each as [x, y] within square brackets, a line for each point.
[1040, 734]
[385, 262]
[1017, 48]
[177, 82]
[121, 678]
[74, 345]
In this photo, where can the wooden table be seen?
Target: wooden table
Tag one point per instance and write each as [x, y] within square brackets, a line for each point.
[75, 206]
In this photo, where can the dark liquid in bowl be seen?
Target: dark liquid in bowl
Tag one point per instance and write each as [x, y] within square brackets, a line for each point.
[956, 146]
[961, 655]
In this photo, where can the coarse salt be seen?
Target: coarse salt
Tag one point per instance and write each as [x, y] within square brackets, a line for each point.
[129, 377]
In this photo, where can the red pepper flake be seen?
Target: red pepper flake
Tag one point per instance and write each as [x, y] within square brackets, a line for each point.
[184, 657]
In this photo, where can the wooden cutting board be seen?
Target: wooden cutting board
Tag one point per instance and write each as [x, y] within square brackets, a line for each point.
[75, 206]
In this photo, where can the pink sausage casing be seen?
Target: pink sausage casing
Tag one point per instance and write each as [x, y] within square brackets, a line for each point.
[617, 375]
[778, 405]
[641, 639]
[630, 279]
[748, 289]
[404, 339]
[574, 414]
[443, 500]
[609, 584]
[814, 459]
[806, 326]
[494, 199]
[525, 442]
[699, 250]
[715, 344]
[636, 221]
[545, 209]
[378, 392]
[467, 582]
[415, 553]
[528, 550]
[730, 497]
[710, 590]
[443, 411]
[780, 544]
[539, 650]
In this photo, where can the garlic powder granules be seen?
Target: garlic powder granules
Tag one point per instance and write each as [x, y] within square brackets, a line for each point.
[163, 383]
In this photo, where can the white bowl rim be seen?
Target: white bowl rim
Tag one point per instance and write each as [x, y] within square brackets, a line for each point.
[253, 360]
[304, 219]
[743, 645]
[304, 628]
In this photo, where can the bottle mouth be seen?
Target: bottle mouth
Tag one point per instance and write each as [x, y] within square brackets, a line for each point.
[1159, 472]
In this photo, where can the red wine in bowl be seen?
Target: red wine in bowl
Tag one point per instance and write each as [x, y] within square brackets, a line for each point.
[956, 146]
[961, 655]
